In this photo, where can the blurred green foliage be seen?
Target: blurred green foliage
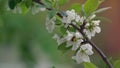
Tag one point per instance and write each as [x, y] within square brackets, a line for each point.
[25, 32]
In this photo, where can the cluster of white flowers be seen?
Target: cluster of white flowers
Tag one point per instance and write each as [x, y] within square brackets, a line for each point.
[71, 39]
[75, 39]
[72, 17]
[92, 27]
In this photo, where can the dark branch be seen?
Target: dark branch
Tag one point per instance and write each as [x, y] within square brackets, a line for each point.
[103, 56]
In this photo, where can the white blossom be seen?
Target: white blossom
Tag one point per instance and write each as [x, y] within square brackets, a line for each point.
[81, 57]
[97, 29]
[71, 17]
[94, 28]
[87, 49]
[58, 39]
[96, 22]
[77, 18]
[50, 24]
[74, 40]
[83, 54]
[82, 19]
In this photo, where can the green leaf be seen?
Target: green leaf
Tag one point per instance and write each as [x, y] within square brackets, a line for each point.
[83, 11]
[63, 30]
[117, 64]
[13, 3]
[101, 10]
[104, 19]
[58, 21]
[71, 29]
[77, 7]
[91, 5]
[89, 65]
[63, 47]
[52, 13]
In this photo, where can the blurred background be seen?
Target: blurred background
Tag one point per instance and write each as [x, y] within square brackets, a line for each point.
[25, 42]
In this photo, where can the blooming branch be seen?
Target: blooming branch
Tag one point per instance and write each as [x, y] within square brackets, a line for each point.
[74, 31]
[82, 57]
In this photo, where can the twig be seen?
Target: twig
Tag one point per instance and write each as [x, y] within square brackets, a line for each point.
[100, 52]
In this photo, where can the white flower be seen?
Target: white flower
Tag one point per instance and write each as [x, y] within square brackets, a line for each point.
[87, 49]
[71, 16]
[82, 19]
[76, 44]
[74, 40]
[94, 28]
[77, 18]
[89, 33]
[96, 22]
[50, 24]
[97, 29]
[78, 35]
[58, 39]
[83, 54]
[81, 57]
[69, 35]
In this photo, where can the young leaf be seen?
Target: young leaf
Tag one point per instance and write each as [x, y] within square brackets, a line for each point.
[58, 21]
[101, 10]
[89, 65]
[63, 30]
[76, 6]
[117, 64]
[91, 5]
[63, 47]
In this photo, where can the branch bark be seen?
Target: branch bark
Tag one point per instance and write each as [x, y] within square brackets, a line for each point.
[100, 52]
